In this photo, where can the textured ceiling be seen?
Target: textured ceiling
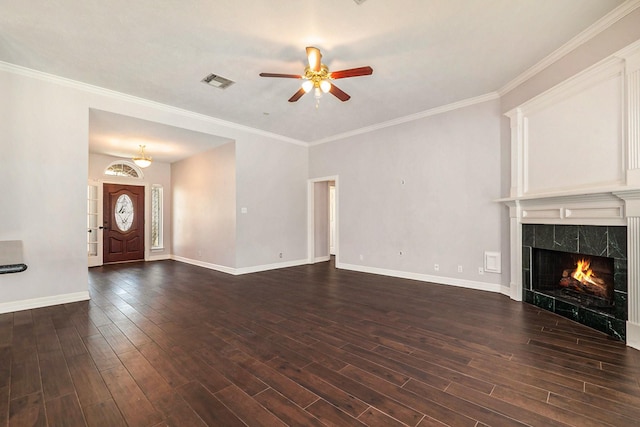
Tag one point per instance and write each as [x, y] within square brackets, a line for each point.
[424, 53]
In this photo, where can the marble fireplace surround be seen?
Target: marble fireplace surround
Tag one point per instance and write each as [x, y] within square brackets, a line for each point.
[595, 114]
[560, 244]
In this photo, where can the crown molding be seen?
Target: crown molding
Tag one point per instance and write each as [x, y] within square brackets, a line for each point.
[596, 28]
[97, 90]
[405, 119]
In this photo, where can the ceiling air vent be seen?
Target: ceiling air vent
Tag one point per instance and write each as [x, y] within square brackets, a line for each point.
[359, 1]
[217, 81]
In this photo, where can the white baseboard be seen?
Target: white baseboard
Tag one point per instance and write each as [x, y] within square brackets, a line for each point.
[162, 257]
[29, 304]
[322, 259]
[506, 290]
[633, 335]
[481, 286]
[210, 266]
[275, 266]
[242, 270]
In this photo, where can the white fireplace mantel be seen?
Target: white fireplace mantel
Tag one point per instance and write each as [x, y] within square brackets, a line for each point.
[575, 160]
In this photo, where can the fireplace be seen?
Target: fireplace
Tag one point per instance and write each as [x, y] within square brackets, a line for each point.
[579, 272]
[586, 280]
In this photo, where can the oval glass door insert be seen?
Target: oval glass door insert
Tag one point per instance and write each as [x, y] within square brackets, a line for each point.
[124, 212]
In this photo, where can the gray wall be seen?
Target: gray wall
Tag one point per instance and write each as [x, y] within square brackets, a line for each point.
[424, 188]
[204, 207]
[43, 190]
[272, 186]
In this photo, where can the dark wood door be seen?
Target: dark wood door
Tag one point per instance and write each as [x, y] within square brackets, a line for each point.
[123, 212]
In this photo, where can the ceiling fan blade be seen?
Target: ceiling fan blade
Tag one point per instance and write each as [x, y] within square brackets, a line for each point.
[315, 57]
[339, 93]
[352, 72]
[286, 76]
[297, 95]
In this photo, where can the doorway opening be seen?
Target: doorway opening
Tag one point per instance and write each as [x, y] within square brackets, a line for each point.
[323, 230]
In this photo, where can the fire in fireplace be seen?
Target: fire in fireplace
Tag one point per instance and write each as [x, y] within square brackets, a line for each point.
[584, 280]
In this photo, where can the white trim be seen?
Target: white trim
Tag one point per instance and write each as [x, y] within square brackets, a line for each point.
[16, 69]
[462, 283]
[266, 267]
[27, 72]
[633, 335]
[599, 26]
[162, 257]
[606, 69]
[322, 258]
[242, 270]
[410, 118]
[29, 304]
[210, 266]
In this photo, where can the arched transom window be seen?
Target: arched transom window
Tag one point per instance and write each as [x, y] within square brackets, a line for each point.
[122, 168]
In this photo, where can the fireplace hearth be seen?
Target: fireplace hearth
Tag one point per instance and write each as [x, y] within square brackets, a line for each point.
[579, 272]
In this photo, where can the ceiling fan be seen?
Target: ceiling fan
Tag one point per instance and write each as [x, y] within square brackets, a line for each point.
[317, 76]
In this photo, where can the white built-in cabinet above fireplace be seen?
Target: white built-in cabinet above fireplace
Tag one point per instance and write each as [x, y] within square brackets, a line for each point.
[575, 159]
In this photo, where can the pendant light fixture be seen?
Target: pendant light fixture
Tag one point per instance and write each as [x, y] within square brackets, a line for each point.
[142, 160]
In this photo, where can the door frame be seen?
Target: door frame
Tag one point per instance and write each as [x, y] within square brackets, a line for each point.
[147, 209]
[311, 228]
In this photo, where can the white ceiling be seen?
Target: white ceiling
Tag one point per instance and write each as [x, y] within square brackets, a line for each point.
[424, 53]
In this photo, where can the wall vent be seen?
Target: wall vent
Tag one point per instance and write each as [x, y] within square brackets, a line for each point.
[217, 81]
[359, 1]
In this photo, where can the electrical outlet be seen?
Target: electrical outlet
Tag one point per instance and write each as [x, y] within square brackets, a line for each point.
[361, 257]
[280, 255]
[436, 267]
[480, 270]
[459, 269]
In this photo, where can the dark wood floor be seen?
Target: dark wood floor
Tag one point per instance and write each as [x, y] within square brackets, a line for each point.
[166, 343]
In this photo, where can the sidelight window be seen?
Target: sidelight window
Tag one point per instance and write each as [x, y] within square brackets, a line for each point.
[156, 217]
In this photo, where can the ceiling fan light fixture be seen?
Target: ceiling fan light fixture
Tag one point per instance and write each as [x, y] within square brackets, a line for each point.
[317, 76]
[325, 85]
[307, 85]
[142, 160]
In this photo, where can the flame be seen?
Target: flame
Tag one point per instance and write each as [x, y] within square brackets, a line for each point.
[583, 273]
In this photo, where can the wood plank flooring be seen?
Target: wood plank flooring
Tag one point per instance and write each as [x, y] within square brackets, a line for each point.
[169, 344]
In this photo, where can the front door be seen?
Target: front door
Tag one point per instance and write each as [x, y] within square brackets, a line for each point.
[123, 214]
